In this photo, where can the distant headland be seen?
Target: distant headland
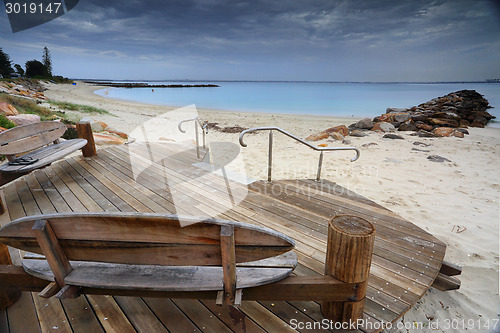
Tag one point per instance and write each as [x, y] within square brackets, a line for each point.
[146, 85]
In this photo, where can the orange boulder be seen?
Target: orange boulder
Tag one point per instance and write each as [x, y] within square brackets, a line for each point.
[342, 129]
[318, 136]
[8, 110]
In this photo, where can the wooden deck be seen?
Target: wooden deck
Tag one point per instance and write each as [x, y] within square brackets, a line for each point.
[406, 259]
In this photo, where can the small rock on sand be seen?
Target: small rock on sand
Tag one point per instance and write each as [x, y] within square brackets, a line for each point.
[358, 133]
[366, 123]
[437, 158]
[417, 143]
[393, 136]
[384, 127]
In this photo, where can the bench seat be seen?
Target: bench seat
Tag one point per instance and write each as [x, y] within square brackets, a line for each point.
[45, 156]
[164, 278]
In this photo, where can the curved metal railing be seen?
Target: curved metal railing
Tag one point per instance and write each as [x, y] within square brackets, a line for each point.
[204, 131]
[270, 159]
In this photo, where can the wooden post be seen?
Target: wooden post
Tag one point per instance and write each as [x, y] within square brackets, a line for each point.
[8, 296]
[348, 259]
[85, 132]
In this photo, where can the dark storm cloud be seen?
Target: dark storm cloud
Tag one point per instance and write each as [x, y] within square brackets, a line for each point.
[315, 38]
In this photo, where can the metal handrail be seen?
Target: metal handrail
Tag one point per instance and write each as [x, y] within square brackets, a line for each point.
[204, 131]
[321, 149]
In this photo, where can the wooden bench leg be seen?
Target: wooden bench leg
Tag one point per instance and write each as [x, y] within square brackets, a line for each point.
[57, 260]
[228, 254]
[8, 296]
[348, 259]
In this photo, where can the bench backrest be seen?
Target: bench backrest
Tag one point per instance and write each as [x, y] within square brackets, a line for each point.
[24, 138]
[148, 239]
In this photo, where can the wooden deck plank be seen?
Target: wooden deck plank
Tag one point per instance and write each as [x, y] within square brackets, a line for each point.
[51, 314]
[89, 196]
[290, 189]
[27, 200]
[139, 314]
[287, 312]
[51, 191]
[127, 193]
[302, 196]
[43, 202]
[73, 193]
[81, 316]
[380, 284]
[22, 315]
[396, 236]
[303, 191]
[104, 197]
[265, 318]
[13, 202]
[170, 315]
[201, 316]
[184, 201]
[110, 314]
[71, 200]
[148, 181]
[378, 311]
[127, 183]
[193, 207]
[197, 197]
[233, 318]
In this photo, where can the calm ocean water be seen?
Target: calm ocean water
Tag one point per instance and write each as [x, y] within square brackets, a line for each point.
[333, 99]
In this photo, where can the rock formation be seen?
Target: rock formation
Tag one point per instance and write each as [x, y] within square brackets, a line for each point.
[458, 109]
[444, 116]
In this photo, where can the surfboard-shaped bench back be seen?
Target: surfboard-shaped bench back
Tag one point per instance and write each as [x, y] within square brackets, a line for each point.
[111, 249]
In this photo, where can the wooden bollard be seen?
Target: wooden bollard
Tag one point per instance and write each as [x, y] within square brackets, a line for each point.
[348, 259]
[85, 132]
[8, 296]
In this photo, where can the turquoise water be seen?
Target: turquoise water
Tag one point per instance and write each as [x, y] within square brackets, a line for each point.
[334, 99]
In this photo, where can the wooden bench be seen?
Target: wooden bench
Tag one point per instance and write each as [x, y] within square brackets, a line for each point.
[38, 143]
[159, 255]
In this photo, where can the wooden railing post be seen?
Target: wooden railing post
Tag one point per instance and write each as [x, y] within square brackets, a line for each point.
[8, 296]
[85, 132]
[348, 259]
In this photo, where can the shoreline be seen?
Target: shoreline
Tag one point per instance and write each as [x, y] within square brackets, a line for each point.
[84, 93]
[440, 198]
[261, 113]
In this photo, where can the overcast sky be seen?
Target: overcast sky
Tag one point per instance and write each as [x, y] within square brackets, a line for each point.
[315, 40]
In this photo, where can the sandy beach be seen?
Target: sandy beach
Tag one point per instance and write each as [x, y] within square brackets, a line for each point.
[456, 201]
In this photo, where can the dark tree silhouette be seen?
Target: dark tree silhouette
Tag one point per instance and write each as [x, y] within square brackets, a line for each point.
[5, 64]
[36, 68]
[47, 62]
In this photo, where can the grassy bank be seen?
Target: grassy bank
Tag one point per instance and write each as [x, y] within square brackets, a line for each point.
[78, 107]
[24, 105]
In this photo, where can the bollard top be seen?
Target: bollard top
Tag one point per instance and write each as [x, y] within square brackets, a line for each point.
[352, 225]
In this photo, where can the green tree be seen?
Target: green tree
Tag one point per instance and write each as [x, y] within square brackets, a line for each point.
[5, 64]
[36, 68]
[19, 69]
[47, 62]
